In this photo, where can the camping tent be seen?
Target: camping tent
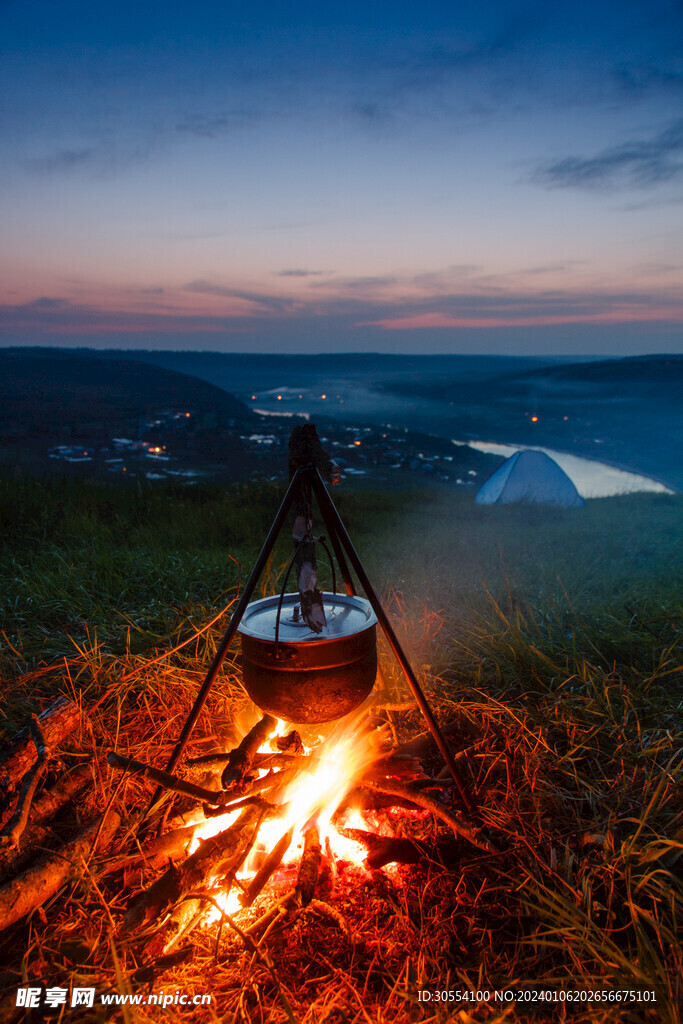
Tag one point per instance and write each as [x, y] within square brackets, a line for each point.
[530, 476]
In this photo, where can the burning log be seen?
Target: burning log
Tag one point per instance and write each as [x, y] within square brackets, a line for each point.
[240, 759]
[56, 722]
[267, 869]
[309, 867]
[393, 850]
[437, 809]
[171, 846]
[41, 881]
[177, 882]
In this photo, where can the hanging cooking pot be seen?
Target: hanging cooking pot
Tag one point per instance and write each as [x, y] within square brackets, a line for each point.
[306, 677]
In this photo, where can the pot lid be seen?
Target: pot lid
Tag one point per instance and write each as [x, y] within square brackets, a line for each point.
[346, 615]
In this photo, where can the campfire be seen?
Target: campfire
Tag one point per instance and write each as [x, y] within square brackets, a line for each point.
[281, 802]
[289, 818]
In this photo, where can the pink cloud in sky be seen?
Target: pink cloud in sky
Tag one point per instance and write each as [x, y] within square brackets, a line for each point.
[422, 320]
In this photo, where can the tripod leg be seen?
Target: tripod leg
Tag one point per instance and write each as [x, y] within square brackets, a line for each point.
[219, 657]
[328, 509]
[331, 528]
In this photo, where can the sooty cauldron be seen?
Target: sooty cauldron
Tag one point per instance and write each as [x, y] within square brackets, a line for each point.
[306, 677]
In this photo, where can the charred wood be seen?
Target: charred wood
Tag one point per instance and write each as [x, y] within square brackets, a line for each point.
[393, 850]
[309, 867]
[240, 759]
[177, 882]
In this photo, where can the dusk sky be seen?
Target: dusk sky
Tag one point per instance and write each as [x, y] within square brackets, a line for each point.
[292, 177]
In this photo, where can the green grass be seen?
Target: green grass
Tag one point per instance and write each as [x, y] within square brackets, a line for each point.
[553, 639]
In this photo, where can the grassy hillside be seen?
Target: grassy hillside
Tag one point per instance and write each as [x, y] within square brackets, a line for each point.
[55, 397]
[550, 640]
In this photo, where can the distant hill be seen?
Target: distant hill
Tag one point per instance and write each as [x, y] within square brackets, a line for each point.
[664, 370]
[628, 412]
[57, 395]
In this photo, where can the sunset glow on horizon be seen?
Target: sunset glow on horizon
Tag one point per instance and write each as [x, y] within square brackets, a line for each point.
[271, 177]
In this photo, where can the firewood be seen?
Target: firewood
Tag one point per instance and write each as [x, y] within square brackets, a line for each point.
[267, 869]
[38, 833]
[41, 881]
[437, 809]
[50, 801]
[165, 779]
[290, 744]
[240, 759]
[309, 867]
[155, 902]
[289, 750]
[14, 829]
[271, 781]
[394, 850]
[171, 846]
[56, 722]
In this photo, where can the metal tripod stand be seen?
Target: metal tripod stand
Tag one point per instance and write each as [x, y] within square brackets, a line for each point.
[343, 548]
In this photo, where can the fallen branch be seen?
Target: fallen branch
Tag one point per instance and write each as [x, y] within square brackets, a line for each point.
[41, 881]
[56, 722]
[14, 829]
[165, 779]
[437, 809]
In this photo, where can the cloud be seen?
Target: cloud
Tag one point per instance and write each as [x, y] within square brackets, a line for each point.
[107, 155]
[46, 302]
[62, 160]
[260, 301]
[352, 285]
[212, 126]
[301, 273]
[468, 75]
[641, 79]
[643, 163]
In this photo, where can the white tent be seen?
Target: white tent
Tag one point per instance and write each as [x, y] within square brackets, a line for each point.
[530, 476]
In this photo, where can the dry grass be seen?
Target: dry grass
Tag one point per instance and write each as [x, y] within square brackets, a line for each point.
[577, 782]
[573, 718]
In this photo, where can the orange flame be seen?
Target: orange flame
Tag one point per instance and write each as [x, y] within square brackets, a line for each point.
[312, 797]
